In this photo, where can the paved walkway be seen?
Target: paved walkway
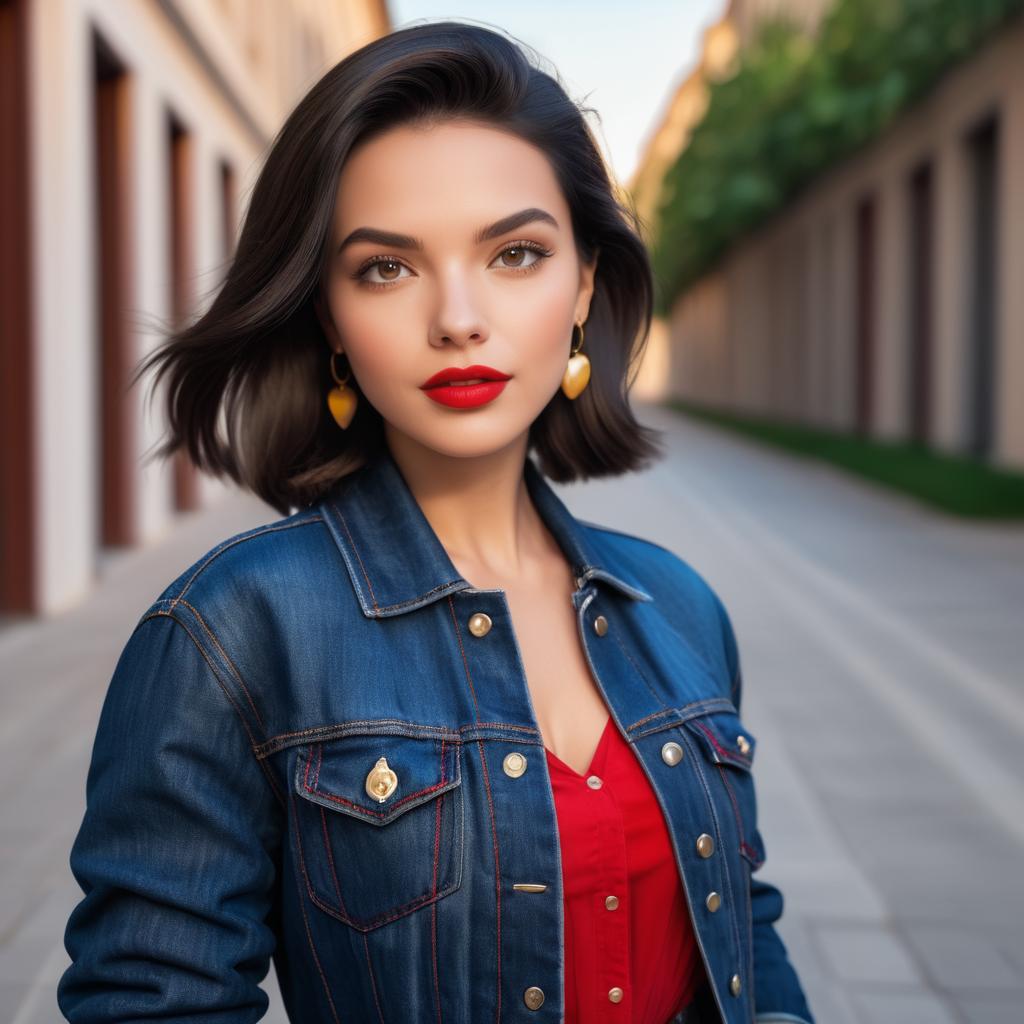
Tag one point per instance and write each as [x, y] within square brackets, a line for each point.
[882, 655]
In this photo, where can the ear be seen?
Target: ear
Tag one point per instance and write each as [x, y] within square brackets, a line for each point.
[586, 290]
[323, 314]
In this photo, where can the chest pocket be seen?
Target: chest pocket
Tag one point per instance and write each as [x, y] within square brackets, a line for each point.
[380, 825]
[728, 747]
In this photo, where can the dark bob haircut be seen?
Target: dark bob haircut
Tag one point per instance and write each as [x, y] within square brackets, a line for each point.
[259, 355]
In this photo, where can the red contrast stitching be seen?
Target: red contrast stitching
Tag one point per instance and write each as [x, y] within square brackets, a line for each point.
[359, 807]
[302, 907]
[730, 755]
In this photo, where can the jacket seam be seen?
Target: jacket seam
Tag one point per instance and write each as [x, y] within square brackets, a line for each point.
[355, 551]
[224, 690]
[220, 648]
[227, 545]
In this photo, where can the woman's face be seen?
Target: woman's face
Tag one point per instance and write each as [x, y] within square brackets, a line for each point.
[403, 309]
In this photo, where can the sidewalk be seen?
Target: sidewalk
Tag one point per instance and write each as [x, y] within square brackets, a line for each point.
[881, 651]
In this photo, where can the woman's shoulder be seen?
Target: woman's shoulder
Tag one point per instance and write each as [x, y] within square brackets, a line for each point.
[682, 595]
[278, 556]
[655, 566]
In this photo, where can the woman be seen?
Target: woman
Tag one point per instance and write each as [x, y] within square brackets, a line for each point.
[326, 741]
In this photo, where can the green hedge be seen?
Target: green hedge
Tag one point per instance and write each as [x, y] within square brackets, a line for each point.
[957, 484]
[797, 105]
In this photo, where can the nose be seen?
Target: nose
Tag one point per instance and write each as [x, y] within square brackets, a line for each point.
[459, 320]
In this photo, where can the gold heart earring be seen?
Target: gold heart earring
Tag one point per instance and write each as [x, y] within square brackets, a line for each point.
[342, 401]
[577, 373]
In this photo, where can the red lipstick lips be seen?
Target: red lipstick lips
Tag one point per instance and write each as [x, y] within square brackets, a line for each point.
[450, 386]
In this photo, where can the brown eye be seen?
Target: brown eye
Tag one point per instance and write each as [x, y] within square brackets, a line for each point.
[513, 256]
[388, 271]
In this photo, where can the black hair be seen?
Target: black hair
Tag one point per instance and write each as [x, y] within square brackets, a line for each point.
[258, 353]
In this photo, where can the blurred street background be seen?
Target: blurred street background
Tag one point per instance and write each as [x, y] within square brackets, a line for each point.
[833, 196]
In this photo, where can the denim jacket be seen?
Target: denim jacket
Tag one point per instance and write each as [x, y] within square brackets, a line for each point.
[318, 745]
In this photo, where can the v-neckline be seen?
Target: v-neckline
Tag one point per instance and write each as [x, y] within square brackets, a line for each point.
[593, 760]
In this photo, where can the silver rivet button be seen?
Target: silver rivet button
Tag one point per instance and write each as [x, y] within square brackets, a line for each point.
[594, 782]
[713, 902]
[479, 623]
[514, 764]
[734, 985]
[615, 994]
[600, 625]
[611, 902]
[534, 997]
[705, 845]
[671, 753]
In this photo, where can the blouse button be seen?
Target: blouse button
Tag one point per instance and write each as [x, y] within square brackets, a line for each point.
[514, 764]
[705, 845]
[615, 994]
[534, 997]
[713, 902]
[594, 782]
[672, 753]
[479, 623]
[611, 902]
[600, 625]
[734, 985]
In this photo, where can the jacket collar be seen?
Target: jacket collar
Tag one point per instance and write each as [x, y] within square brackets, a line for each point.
[395, 559]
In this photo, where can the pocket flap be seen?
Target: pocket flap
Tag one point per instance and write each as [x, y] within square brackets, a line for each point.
[724, 738]
[335, 773]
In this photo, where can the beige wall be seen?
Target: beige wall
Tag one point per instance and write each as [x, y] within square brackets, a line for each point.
[772, 331]
[231, 70]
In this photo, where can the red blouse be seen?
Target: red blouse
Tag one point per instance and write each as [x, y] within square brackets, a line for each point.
[630, 951]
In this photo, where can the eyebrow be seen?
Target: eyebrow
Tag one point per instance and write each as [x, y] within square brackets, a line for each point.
[394, 240]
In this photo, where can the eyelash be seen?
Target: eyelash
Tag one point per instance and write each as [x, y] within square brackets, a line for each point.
[523, 244]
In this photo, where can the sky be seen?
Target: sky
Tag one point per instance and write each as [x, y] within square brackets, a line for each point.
[624, 60]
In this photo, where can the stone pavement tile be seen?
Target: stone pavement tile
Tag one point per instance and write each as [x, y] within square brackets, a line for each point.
[957, 957]
[983, 1008]
[275, 1011]
[829, 1002]
[33, 998]
[903, 1008]
[865, 953]
[12, 995]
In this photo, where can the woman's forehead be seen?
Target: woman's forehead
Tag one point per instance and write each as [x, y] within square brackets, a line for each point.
[465, 173]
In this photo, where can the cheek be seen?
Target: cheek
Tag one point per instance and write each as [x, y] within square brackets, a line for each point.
[539, 319]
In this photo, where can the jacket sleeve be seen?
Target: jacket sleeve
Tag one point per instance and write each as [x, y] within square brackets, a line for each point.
[177, 851]
[778, 994]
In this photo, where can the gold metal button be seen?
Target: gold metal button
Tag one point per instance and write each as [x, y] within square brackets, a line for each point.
[479, 623]
[534, 997]
[600, 625]
[734, 985]
[743, 743]
[611, 902]
[594, 782]
[615, 994]
[672, 753]
[514, 764]
[713, 902]
[705, 845]
[381, 781]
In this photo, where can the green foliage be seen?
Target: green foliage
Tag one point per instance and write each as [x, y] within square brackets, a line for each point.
[794, 107]
[959, 485]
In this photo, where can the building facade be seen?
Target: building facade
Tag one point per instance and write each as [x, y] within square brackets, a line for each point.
[884, 300]
[130, 134]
